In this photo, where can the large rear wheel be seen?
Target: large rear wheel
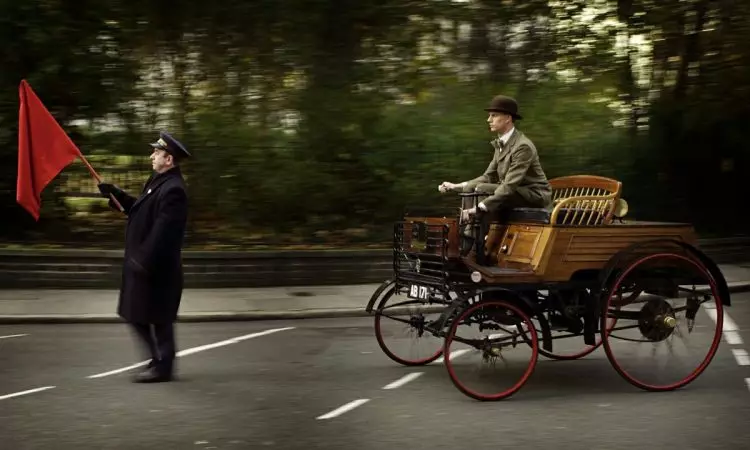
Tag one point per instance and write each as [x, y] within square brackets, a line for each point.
[667, 335]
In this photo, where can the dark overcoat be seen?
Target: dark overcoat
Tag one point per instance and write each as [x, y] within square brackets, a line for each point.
[152, 278]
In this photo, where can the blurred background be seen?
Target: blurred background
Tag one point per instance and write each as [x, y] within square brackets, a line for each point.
[315, 123]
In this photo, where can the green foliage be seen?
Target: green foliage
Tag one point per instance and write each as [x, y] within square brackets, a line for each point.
[310, 118]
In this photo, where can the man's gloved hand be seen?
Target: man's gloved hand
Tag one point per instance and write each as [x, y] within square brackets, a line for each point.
[466, 214]
[107, 188]
[447, 186]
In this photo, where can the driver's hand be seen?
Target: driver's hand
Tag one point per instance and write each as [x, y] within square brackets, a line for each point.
[466, 214]
[447, 186]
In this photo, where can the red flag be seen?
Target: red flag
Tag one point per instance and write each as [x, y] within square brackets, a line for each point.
[44, 149]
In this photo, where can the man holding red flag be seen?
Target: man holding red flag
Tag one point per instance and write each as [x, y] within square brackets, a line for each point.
[152, 281]
[152, 278]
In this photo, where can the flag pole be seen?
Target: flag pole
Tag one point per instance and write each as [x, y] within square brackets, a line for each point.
[99, 180]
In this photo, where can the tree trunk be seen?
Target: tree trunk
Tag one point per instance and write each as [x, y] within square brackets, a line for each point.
[691, 51]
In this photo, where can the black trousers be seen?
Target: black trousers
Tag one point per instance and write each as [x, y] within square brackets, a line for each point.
[158, 344]
[475, 231]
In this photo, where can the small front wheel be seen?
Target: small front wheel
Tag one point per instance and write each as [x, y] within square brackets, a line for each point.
[400, 329]
[489, 352]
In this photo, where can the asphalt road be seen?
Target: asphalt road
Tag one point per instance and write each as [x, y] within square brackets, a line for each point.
[275, 390]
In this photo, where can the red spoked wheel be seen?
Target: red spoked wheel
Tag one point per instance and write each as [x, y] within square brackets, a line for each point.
[666, 336]
[400, 328]
[488, 353]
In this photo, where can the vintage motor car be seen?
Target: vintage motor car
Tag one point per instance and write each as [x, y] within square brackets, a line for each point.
[492, 293]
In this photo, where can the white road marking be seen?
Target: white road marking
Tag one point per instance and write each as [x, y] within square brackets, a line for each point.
[733, 338]
[261, 333]
[13, 336]
[403, 380]
[30, 391]
[740, 355]
[712, 314]
[454, 354]
[729, 324]
[342, 409]
[116, 371]
[729, 327]
[747, 381]
[189, 351]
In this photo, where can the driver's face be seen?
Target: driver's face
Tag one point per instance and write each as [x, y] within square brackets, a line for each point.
[499, 122]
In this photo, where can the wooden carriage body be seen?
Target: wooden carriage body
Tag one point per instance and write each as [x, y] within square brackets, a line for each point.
[575, 238]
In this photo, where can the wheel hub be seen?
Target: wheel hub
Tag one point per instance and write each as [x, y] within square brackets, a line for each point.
[491, 352]
[417, 322]
[657, 321]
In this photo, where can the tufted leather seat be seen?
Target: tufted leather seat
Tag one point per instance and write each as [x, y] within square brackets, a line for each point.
[533, 215]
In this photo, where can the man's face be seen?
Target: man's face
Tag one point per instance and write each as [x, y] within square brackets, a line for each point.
[499, 122]
[161, 161]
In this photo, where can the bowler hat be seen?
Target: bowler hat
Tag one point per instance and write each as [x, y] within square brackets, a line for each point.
[171, 145]
[504, 104]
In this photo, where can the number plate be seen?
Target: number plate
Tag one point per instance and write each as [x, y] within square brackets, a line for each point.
[419, 292]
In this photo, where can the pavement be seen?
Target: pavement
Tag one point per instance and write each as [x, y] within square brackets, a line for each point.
[226, 304]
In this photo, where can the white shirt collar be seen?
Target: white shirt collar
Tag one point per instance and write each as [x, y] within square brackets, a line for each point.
[504, 138]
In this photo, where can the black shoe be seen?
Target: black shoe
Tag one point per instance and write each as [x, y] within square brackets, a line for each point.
[152, 376]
